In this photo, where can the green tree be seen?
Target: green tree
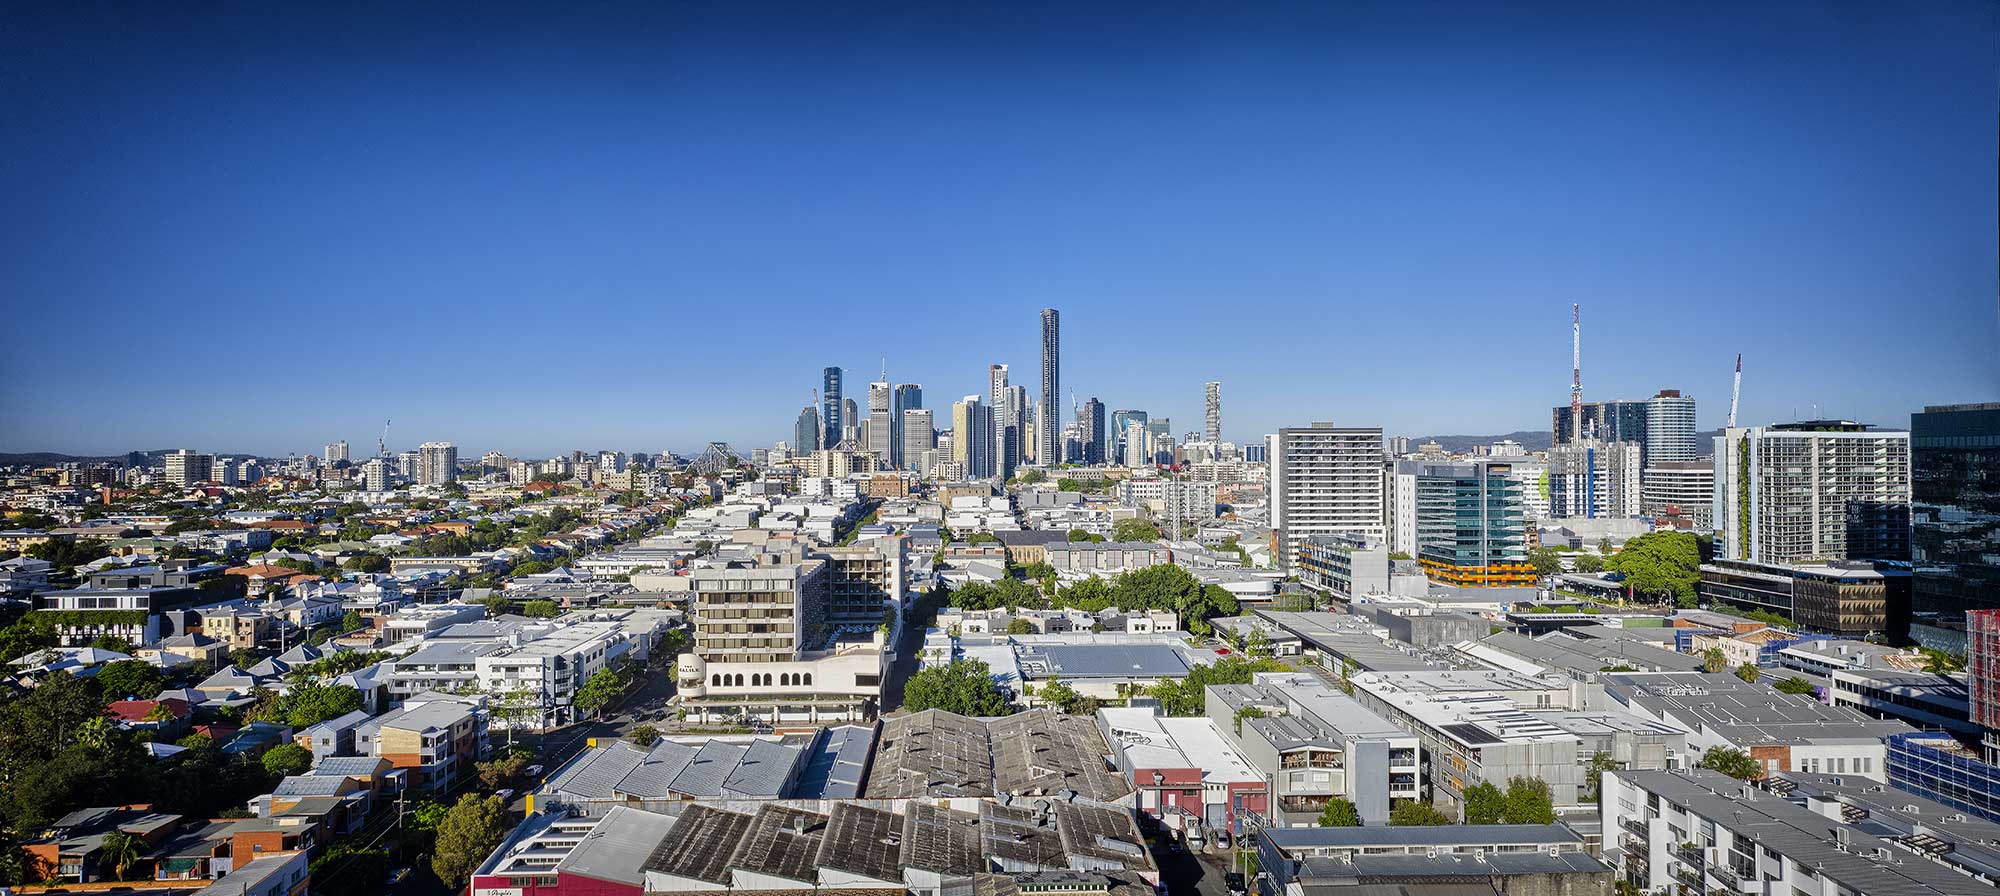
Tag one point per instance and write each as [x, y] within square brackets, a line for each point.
[287, 759]
[1749, 672]
[1060, 696]
[314, 704]
[529, 568]
[130, 678]
[366, 563]
[599, 691]
[351, 621]
[1794, 685]
[1484, 804]
[1247, 712]
[1714, 660]
[644, 735]
[1339, 813]
[1187, 696]
[494, 773]
[1589, 563]
[466, 836]
[1545, 561]
[1257, 646]
[112, 643]
[1527, 801]
[962, 686]
[1593, 772]
[120, 852]
[1664, 565]
[1089, 595]
[1135, 530]
[541, 609]
[1416, 812]
[1081, 535]
[1020, 625]
[1732, 762]
[349, 869]
[1939, 662]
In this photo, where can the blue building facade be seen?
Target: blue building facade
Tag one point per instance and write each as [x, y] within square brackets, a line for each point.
[1938, 767]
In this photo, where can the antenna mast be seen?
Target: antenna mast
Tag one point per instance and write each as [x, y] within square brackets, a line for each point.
[1736, 390]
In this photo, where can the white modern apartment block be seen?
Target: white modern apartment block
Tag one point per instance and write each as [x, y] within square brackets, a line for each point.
[336, 451]
[1325, 480]
[1595, 479]
[1813, 491]
[1683, 487]
[1316, 743]
[437, 463]
[185, 468]
[1670, 427]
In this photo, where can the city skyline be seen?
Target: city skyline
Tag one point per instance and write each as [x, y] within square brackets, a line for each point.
[1301, 216]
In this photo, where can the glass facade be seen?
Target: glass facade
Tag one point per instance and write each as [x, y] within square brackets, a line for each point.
[1471, 529]
[1937, 767]
[1955, 519]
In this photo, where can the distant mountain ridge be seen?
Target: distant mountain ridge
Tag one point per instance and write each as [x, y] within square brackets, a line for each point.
[1531, 439]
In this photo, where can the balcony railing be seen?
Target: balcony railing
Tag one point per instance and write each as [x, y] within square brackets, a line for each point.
[1635, 825]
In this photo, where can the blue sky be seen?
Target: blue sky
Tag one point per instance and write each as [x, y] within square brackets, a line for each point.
[261, 227]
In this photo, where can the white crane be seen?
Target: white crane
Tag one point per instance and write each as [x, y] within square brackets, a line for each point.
[1736, 390]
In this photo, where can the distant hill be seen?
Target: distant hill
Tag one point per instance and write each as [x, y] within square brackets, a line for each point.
[50, 458]
[1533, 440]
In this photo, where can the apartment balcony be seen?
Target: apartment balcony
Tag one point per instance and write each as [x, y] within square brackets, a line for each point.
[1635, 825]
[1690, 856]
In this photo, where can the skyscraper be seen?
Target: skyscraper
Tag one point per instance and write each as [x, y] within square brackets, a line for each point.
[185, 467]
[850, 423]
[1048, 446]
[437, 463]
[1213, 431]
[918, 436]
[1092, 422]
[1325, 480]
[881, 425]
[1814, 491]
[1471, 529]
[806, 433]
[1955, 522]
[1595, 479]
[909, 397]
[972, 437]
[1120, 421]
[1669, 428]
[336, 452]
[831, 404]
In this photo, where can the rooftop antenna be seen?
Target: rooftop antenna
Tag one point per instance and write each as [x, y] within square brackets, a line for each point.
[1736, 390]
[1575, 372]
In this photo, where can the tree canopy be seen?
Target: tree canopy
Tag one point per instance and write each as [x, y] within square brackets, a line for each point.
[314, 704]
[1187, 696]
[1418, 813]
[1732, 762]
[1794, 685]
[1484, 804]
[466, 835]
[1527, 801]
[1135, 530]
[962, 686]
[1339, 813]
[1663, 565]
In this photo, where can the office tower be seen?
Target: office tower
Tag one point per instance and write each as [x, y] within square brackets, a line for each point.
[1471, 527]
[1683, 489]
[1955, 520]
[1159, 439]
[336, 452]
[1010, 429]
[972, 437]
[437, 463]
[909, 397]
[1120, 421]
[806, 432]
[1325, 480]
[918, 438]
[881, 426]
[375, 474]
[831, 404]
[1048, 446]
[1213, 431]
[1607, 421]
[1813, 491]
[1594, 479]
[1669, 428]
[1094, 434]
[996, 384]
[1399, 446]
[185, 468]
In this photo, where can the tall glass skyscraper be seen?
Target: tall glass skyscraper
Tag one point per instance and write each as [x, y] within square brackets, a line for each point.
[909, 397]
[1954, 519]
[829, 399]
[807, 432]
[1048, 426]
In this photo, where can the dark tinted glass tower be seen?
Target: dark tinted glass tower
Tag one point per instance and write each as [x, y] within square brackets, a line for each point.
[1954, 519]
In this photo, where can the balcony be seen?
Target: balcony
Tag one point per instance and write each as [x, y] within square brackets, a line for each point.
[1636, 825]
[1690, 856]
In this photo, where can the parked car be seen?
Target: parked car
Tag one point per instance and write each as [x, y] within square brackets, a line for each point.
[533, 771]
[1234, 881]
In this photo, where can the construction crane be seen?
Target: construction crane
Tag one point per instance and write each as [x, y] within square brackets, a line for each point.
[1575, 373]
[1736, 390]
[382, 441]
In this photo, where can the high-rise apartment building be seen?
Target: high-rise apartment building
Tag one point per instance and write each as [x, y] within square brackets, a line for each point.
[806, 432]
[972, 437]
[1325, 480]
[437, 463]
[1048, 424]
[909, 397]
[336, 452]
[881, 423]
[1609, 421]
[1471, 528]
[1811, 492]
[918, 436]
[1091, 422]
[1595, 479]
[832, 406]
[1213, 402]
[376, 474]
[1669, 429]
[185, 467]
[1121, 421]
[1955, 519]
[850, 424]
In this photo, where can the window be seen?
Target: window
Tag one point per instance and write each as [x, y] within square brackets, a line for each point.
[808, 679]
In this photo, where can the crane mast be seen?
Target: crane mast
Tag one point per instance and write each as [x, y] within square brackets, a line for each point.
[1736, 390]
